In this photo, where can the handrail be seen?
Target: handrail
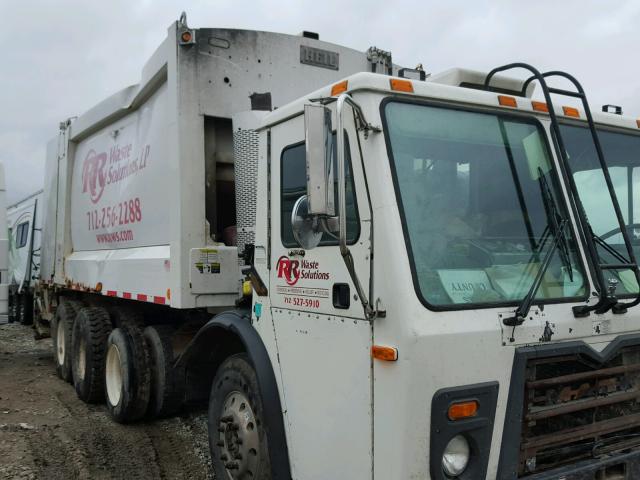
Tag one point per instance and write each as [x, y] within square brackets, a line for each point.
[607, 299]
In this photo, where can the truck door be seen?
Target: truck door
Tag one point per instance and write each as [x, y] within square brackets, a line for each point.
[21, 244]
[322, 336]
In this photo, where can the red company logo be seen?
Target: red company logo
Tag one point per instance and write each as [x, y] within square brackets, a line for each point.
[93, 176]
[288, 269]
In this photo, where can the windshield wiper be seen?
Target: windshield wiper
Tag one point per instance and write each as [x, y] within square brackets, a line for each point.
[556, 225]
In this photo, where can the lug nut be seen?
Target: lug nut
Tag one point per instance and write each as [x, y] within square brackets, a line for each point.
[238, 456]
[232, 466]
[226, 419]
[224, 457]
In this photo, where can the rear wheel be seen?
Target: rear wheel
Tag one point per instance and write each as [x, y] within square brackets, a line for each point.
[13, 309]
[25, 309]
[127, 375]
[89, 342]
[237, 439]
[62, 334]
[167, 383]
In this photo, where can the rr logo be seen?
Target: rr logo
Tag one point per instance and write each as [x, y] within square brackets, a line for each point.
[93, 176]
[288, 269]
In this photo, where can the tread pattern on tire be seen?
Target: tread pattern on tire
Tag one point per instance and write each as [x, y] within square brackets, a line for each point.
[98, 325]
[167, 383]
[136, 373]
[69, 309]
[142, 373]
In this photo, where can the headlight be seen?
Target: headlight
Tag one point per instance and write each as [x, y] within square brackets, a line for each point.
[456, 456]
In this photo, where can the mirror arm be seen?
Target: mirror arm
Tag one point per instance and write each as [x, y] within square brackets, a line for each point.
[342, 207]
[363, 125]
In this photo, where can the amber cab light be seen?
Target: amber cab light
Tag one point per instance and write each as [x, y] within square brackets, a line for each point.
[401, 85]
[461, 410]
[539, 106]
[507, 101]
[339, 88]
[571, 112]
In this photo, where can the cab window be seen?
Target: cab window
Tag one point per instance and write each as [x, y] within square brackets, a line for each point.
[293, 184]
[22, 233]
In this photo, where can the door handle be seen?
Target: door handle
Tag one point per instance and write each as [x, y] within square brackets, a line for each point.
[341, 295]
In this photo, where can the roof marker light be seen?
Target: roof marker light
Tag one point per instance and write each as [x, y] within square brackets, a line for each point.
[539, 106]
[401, 85]
[571, 112]
[339, 88]
[507, 101]
[387, 354]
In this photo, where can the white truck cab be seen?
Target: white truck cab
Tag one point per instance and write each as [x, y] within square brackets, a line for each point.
[454, 206]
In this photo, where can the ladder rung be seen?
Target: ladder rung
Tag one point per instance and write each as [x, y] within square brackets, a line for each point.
[568, 93]
[618, 266]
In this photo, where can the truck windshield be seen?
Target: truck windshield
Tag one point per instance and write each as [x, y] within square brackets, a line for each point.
[476, 192]
[622, 153]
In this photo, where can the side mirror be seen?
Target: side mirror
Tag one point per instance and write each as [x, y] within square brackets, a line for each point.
[320, 174]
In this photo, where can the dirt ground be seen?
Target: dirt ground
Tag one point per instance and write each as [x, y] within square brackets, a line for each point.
[47, 433]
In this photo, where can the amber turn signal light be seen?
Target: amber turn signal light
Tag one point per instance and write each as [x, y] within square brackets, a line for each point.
[461, 410]
[386, 354]
[571, 112]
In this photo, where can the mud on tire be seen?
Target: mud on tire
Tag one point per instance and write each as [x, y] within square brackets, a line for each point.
[167, 383]
[89, 341]
[63, 339]
[237, 439]
[127, 375]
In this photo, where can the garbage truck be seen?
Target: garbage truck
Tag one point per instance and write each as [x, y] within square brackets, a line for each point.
[367, 271]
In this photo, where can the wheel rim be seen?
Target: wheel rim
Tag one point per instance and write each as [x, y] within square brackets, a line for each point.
[82, 358]
[238, 437]
[113, 375]
[60, 338]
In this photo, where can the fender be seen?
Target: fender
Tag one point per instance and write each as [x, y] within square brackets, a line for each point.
[238, 323]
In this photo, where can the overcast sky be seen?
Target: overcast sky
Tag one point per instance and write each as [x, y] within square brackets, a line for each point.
[58, 58]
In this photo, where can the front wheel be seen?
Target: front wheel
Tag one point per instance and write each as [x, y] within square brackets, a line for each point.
[237, 439]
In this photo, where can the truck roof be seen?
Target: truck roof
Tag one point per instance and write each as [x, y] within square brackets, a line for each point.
[448, 86]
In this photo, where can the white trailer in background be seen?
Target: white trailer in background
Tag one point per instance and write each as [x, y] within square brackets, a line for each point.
[4, 247]
[25, 233]
[368, 272]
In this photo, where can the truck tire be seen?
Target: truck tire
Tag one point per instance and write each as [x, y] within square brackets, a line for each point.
[127, 374]
[167, 383]
[89, 344]
[25, 309]
[237, 439]
[62, 334]
[13, 309]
